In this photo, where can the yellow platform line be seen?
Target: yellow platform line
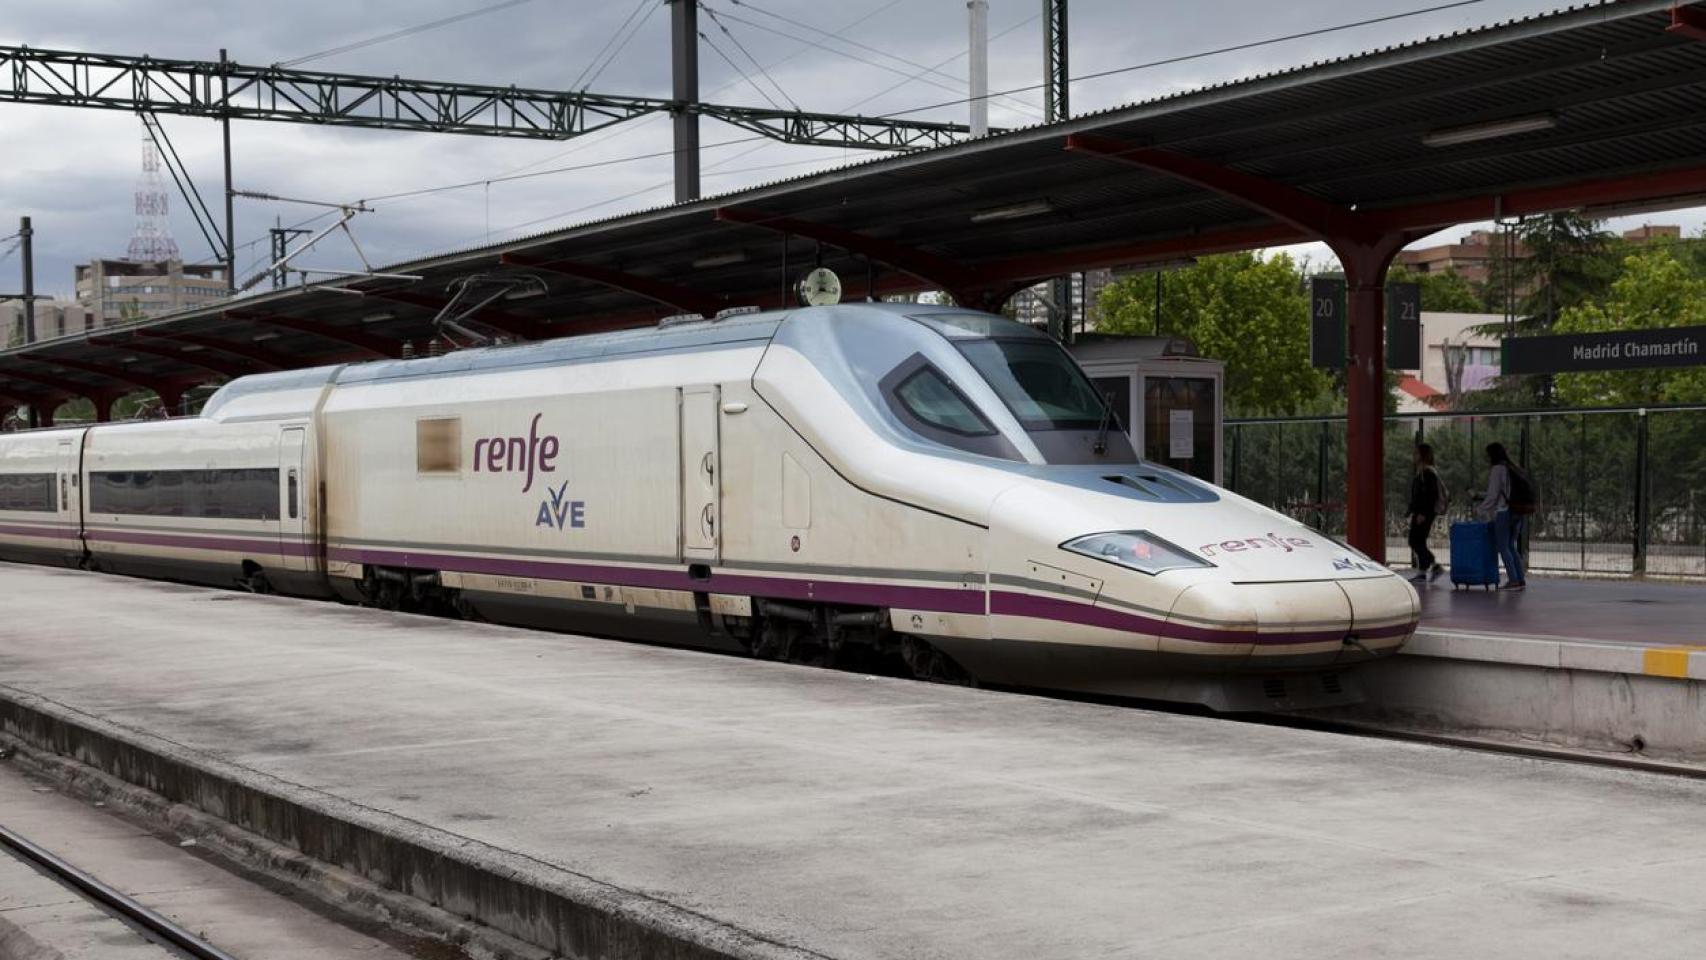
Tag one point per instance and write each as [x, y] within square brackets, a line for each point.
[1668, 661]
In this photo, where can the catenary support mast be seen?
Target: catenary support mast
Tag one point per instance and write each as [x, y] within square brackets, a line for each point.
[684, 67]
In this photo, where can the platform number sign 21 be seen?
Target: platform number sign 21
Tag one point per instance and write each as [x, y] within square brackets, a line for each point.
[1403, 326]
[1327, 323]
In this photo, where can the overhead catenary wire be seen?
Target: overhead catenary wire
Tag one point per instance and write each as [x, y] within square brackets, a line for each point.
[710, 170]
[742, 73]
[857, 58]
[404, 32]
[591, 165]
[935, 70]
[714, 169]
[628, 129]
[712, 13]
[1185, 58]
[600, 62]
[944, 62]
[1320, 31]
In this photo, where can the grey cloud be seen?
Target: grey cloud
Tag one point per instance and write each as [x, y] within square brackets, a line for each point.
[86, 208]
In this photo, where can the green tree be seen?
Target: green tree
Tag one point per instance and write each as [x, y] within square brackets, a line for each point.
[1249, 311]
[1446, 292]
[1657, 288]
[1571, 261]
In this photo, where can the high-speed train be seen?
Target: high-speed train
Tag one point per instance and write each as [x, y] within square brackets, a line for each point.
[857, 484]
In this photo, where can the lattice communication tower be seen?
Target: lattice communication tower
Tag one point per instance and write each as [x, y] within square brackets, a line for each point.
[152, 241]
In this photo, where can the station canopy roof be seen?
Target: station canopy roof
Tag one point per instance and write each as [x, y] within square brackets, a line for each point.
[1600, 108]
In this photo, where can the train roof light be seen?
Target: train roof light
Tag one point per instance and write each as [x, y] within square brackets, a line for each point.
[677, 319]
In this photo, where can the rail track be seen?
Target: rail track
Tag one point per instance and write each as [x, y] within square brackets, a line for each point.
[149, 924]
[1560, 754]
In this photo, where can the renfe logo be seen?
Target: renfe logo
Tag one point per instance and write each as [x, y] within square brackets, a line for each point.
[531, 453]
[1271, 541]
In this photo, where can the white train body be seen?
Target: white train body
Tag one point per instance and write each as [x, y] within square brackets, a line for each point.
[864, 474]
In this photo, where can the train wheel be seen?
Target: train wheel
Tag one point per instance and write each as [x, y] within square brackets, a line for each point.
[932, 665]
[255, 579]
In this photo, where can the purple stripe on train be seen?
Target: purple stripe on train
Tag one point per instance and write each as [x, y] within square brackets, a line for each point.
[45, 532]
[781, 588]
[1051, 608]
[842, 591]
[248, 545]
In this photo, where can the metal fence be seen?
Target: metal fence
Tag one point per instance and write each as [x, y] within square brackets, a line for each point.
[1622, 490]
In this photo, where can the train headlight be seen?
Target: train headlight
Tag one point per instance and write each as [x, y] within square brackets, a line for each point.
[1136, 550]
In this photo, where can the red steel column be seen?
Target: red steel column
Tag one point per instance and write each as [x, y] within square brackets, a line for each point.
[104, 403]
[1365, 388]
[171, 400]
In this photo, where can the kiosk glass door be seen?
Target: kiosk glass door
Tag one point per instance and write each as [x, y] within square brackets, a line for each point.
[1180, 424]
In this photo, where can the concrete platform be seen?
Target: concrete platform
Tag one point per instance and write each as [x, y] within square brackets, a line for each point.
[1604, 665]
[1641, 612]
[732, 808]
[1633, 627]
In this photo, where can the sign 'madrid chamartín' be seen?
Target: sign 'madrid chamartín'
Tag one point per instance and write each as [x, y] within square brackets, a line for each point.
[1625, 350]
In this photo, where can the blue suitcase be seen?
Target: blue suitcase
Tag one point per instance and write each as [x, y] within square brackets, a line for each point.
[1474, 559]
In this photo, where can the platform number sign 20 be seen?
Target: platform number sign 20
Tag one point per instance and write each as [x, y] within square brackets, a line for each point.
[1327, 323]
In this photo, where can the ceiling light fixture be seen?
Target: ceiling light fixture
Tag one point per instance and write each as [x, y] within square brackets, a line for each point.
[1473, 132]
[1029, 208]
[1153, 266]
[720, 260]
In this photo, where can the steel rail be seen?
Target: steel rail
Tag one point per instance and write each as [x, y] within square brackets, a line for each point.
[1481, 745]
[152, 924]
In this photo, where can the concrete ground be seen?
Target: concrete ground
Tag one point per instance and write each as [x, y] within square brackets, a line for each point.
[854, 817]
[42, 920]
[1605, 611]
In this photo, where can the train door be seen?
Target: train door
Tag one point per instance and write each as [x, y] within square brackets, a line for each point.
[701, 475]
[69, 468]
[294, 547]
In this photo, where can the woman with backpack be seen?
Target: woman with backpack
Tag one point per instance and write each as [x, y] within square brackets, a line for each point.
[1428, 499]
[1509, 501]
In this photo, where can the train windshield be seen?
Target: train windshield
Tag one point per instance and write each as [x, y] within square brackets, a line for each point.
[1046, 393]
[1038, 382]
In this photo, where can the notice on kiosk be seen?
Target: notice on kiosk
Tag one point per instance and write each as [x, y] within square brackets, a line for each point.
[1625, 350]
[1181, 435]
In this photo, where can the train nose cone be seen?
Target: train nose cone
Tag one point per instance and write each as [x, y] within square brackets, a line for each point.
[1385, 613]
[1212, 622]
[1263, 626]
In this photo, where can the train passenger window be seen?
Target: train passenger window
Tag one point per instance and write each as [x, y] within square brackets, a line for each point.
[27, 491]
[438, 445]
[249, 493]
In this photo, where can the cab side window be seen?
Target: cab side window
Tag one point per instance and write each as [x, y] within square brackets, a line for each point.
[935, 401]
[928, 403]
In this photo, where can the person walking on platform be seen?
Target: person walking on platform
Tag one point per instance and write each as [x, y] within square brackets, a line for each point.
[1428, 499]
[1508, 502]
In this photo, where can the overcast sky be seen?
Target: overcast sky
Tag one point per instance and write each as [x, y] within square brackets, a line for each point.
[74, 170]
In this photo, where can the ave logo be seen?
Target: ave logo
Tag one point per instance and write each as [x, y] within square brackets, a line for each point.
[558, 512]
[529, 456]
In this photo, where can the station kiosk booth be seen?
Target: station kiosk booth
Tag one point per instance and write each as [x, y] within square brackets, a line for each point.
[1169, 399]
